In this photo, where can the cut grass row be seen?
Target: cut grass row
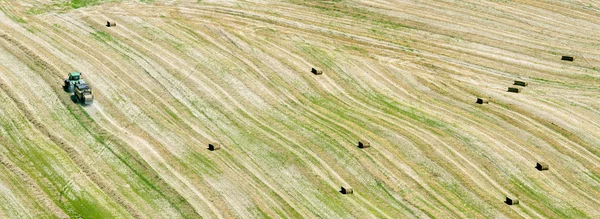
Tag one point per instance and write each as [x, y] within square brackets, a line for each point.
[127, 157]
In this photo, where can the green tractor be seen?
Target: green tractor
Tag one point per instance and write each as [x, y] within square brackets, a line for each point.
[83, 94]
[74, 79]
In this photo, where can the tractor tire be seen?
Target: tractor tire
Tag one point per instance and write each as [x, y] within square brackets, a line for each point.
[70, 88]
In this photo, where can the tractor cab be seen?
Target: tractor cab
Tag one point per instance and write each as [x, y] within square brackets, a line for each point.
[74, 76]
[73, 79]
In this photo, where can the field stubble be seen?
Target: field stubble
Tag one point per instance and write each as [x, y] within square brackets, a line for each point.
[173, 76]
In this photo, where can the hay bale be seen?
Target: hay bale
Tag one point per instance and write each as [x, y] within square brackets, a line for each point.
[214, 146]
[316, 72]
[521, 83]
[111, 24]
[482, 100]
[511, 201]
[514, 89]
[347, 190]
[363, 144]
[567, 58]
[541, 166]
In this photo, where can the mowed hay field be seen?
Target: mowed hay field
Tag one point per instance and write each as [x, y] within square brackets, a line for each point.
[173, 76]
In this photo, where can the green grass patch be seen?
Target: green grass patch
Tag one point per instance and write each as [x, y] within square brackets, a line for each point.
[14, 18]
[259, 212]
[553, 82]
[202, 164]
[173, 115]
[38, 10]
[84, 3]
[106, 38]
[338, 8]
[392, 107]
[176, 45]
[382, 187]
[593, 176]
[341, 111]
[45, 8]
[102, 36]
[476, 208]
[317, 54]
[137, 167]
[333, 199]
[590, 77]
[355, 48]
[390, 24]
[64, 6]
[88, 208]
[534, 194]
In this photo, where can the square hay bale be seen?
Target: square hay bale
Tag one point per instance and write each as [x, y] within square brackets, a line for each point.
[511, 201]
[514, 89]
[346, 190]
[567, 58]
[482, 100]
[541, 166]
[214, 146]
[111, 24]
[363, 144]
[521, 83]
[316, 72]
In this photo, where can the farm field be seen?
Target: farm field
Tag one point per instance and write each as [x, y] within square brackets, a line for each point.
[173, 76]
